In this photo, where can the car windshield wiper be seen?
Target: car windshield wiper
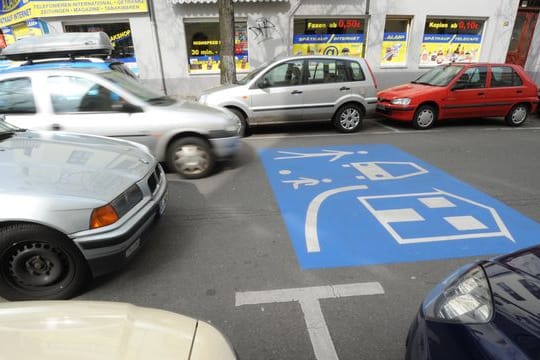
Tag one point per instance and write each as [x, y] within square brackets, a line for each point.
[162, 100]
[6, 134]
[421, 83]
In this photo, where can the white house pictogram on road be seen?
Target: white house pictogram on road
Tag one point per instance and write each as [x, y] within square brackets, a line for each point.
[434, 216]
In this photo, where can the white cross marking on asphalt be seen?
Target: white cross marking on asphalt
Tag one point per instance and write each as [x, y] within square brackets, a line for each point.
[308, 298]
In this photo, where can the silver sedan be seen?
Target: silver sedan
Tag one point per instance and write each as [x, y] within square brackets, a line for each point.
[72, 206]
[187, 136]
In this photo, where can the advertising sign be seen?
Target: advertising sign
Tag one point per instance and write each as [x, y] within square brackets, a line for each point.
[15, 11]
[9, 35]
[205, 57]
[449, 41]
[329, 37]
[394, 48]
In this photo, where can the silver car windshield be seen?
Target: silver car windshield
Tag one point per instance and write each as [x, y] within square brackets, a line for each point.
[439, 76]
[135, 88]
[251, 75]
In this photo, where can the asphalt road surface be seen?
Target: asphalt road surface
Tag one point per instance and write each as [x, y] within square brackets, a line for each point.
[226, 250]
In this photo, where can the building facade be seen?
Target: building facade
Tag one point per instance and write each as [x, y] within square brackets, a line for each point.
[174, 44]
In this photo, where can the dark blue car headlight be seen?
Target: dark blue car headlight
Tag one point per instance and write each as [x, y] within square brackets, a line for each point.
[463, 297]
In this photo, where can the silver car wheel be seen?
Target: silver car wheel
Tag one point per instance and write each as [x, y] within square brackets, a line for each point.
[191, 159]
[350, 118]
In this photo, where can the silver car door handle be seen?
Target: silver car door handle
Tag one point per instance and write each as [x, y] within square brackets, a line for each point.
[56, 127]
[296, 92]
[344, 88]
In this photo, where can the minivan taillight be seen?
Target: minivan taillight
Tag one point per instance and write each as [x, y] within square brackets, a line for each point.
[372, 75]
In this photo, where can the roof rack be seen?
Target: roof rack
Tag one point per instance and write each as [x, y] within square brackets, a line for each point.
[91, 44]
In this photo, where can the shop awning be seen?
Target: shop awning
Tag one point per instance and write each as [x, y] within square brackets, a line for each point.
[215, 1]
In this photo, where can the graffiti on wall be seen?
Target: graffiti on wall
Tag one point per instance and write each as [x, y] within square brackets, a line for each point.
[264, 30]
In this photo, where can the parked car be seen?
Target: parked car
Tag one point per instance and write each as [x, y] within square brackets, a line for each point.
[301, 89]
[486, 310]
[53, 330]
[76, 62]
[73, 205]
[187, 136]
[462, 91]
[59, 50]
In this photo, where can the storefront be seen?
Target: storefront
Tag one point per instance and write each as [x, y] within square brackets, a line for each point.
[175, 44]
[400, 40]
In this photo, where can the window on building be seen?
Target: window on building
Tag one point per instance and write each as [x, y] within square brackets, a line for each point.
[203, 44]
[449, 40]
[395, 42]
[330, 36]
[16, 97]
[120, 35]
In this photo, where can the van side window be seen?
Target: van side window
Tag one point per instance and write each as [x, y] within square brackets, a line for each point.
[321, 71]
[357, 74]
[503, 76]
[286, 74]
[16, 97]
[71, 94]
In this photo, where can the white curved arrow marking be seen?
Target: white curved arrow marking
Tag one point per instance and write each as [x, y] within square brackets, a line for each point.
[312, 237]
[302, 181]
[334, 153]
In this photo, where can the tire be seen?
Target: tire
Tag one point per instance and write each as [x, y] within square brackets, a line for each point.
[517, 115]
[348, 118]
[424, 117]
[244, 126]
[37, 263]
[190, 157]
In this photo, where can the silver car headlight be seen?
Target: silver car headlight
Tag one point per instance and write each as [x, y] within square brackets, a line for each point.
[463, 297]
[401, 101]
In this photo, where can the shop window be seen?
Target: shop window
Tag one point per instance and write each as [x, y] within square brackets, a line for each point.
[395, 42]
[450, 40]
[203, 42]
[16, 97]
[120, 35]
[330, 36]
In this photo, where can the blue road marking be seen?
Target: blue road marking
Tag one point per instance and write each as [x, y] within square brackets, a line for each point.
[375, 204]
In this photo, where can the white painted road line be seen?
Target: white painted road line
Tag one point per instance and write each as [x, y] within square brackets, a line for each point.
[308, 298]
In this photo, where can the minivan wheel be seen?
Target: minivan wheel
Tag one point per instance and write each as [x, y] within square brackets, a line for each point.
[348, 118]
[424, 117]
[517, 116]
[190, 157]
[39, 263]
[244, 126]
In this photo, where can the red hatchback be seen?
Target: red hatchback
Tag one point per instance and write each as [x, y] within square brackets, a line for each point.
[462, 91]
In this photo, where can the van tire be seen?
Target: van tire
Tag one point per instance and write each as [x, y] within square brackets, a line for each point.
[349, 118]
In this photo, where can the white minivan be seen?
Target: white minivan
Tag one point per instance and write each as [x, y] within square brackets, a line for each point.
[301, 89]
